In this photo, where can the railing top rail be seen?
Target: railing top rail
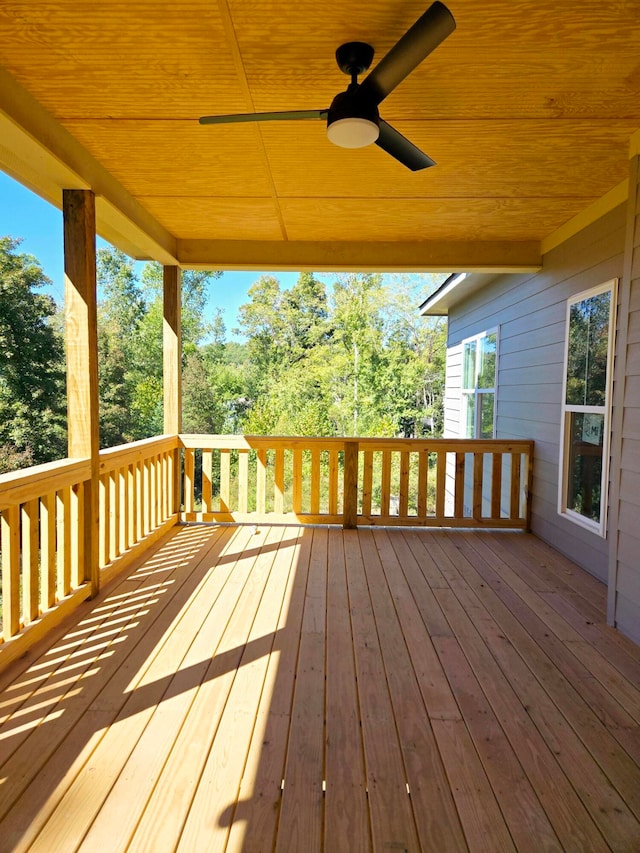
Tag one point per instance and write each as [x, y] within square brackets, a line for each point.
[125, 454]
[256, 442]
[18, 487]
[21, 486]
[459, 445]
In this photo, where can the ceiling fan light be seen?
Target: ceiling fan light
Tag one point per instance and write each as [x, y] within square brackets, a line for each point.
[353, 132]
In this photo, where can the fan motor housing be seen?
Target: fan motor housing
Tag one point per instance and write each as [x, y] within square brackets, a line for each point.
[350, 104]
[352, 121]
[354, 57]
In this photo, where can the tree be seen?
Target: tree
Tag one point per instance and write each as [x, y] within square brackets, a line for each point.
[130, 344]
[358, 319]
[287, 333]
[416, 354]
[32, 372]
[358, 362]
[281, 326]
[120, 313]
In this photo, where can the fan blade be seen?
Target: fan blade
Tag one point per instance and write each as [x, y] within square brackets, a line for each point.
[416, 44]
[295, 115]
[405, 152]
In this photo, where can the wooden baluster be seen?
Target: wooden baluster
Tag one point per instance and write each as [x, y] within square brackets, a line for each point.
[207, 474]
[121, 485]
[131, 505]
[496, 485]
[515, 486]
[146, 496]
[261, 481]
[315, 481]
[367, 482]
[173, 487]
[139, 478]
[77, 543]
[243, 480]
[350, 499]
[30, 559]
[459, 486]
[167, 483]
[10, 546]
[103, 538]
[278, 482]
[189, 480]
[160, 489]
[153, 493]
[297, 481]
[385, 487]
[114, 500]
[423, 472]
[63, 535]
[441, 483]
[225, 481]
[333, 482]
[478, 466]
[47, 551]
[403, 510]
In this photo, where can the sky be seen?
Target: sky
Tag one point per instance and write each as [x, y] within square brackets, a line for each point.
[24, 214]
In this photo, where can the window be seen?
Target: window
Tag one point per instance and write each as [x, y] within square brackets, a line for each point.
[586, 406]
[479, 365]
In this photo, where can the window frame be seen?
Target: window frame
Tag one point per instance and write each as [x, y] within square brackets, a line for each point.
[568, 409]
[476, 392]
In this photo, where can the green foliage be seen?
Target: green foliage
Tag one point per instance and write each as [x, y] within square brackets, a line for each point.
[11, 459]
[360, 361]
[32, 372]
[130, 318]
[213, 393]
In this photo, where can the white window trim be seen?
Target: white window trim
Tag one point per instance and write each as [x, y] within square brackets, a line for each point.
[475, 390]
[599, 528]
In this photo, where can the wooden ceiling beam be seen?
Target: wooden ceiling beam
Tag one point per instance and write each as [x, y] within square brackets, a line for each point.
[427, 256]
[37, 151]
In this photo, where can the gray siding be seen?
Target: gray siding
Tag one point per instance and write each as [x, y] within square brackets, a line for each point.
[530, 311]
[452, 425]
[624, 593]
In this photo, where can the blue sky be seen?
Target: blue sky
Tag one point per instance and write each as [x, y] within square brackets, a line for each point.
[24, 214]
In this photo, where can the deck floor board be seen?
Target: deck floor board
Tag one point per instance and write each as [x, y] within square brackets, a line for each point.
[313, 689]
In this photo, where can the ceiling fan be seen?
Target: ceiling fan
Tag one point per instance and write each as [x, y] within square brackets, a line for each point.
[353, 120]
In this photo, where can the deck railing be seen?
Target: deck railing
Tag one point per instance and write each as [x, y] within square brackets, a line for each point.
[137, 496]
[43, 527]
[41, 538]
[46, 528]
[439, 482]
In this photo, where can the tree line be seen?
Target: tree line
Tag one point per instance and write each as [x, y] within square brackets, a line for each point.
[349, 355]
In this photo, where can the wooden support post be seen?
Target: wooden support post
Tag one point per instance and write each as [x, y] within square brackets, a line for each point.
[350, 499]
[172, 370]
[82, 358]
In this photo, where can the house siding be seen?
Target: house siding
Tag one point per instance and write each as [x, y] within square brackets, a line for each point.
[452, 424]
[624, 589]
[530, 313]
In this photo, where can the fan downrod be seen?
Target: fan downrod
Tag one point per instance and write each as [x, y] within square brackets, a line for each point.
[354, 57]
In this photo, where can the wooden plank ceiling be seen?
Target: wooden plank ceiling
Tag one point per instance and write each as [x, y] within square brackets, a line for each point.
[527, 109]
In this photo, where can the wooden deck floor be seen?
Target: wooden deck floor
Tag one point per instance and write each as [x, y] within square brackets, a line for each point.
[309, 689]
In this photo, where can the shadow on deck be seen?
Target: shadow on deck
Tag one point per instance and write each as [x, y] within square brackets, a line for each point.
[300, 689]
